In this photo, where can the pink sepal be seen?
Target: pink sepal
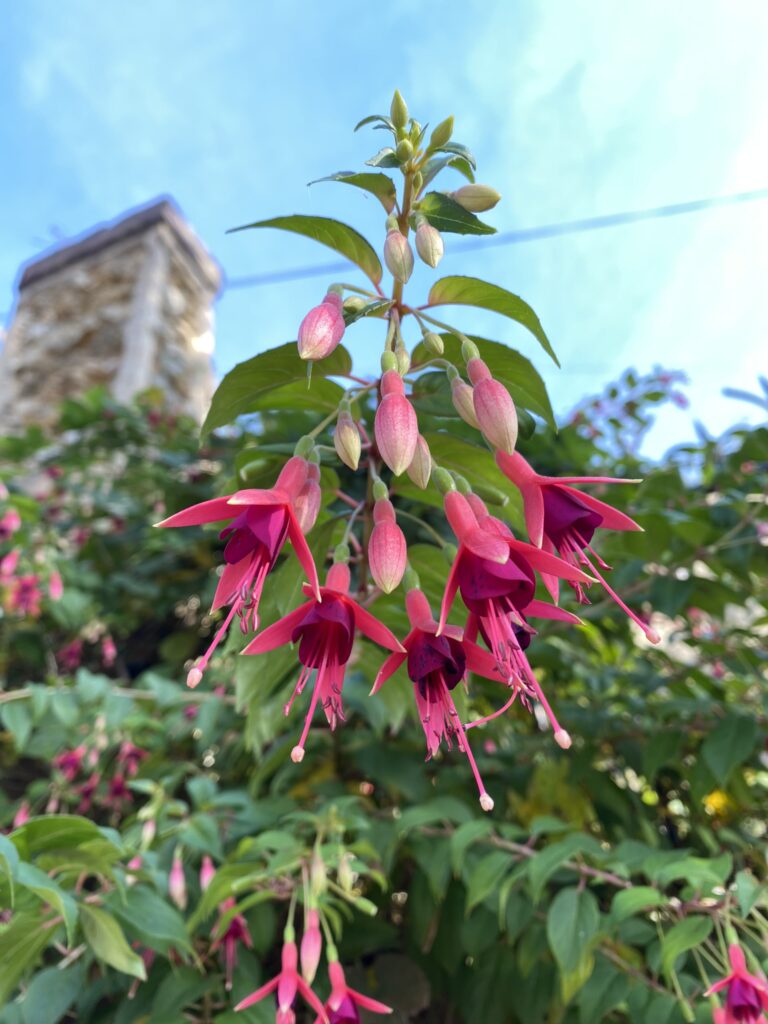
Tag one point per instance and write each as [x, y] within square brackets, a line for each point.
[213, 511]
[375, 630]
[279, 633]
[259, 994]
[303, 553]
[481, 662]
[543, 562]
[390, 666]
[545, 610]
[230, 581]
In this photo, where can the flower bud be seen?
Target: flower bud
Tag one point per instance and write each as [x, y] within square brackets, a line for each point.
[55, 587]
[443, 480]
[396, 429]
[346, 440]
[311, 946]
[207, 871]
[148, 832]
[441, 134]
[469, 350]
[177, 886]
[398, 110]
[476, 198]
[494, 408]
[304, 446]
[411, 579]
[341, 554]
[403, 360]
[344, 872]
[418, 181]
[433, 343]
[380, 491]
[429, 244]
[307, 503]
[388, 362]
[463, 485]
[404, 150]
[318, 876]
[387, 551]
[420, 468]
[321, 329]
[463, 402]
[398, 256]
[354, 303]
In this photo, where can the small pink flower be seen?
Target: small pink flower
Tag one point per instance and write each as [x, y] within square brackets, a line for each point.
[747, 996]
[70, 762]
[321, 329]
[177, 883]
[26, 596]
[288, 982]
[108, 651]
[398, 256]
[207, 871]
[21, 817]
[494, 407]
[129, 757]
[395, 426]
[69, 657]
[9, 524]
[387, 550]
[311, 946]
[55, 587]
[229, 935]
[342, 1005]
[118, 792]
[8, 564]
[87, 791]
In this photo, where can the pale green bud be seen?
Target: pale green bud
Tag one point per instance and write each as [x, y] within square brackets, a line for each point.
[380, 491]
[433, 343]
[388, 361]
[403, 360]
[476, 198]
[442, 479]
[441, 134]
[404, 151]
[398, 110]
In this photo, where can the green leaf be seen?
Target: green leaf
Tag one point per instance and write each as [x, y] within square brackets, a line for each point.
[573, 921]
[56, 832]
[47, 889]
[686, 934]
[106, 939]
[245, 386]
[159, 925]
[438, 163]
[730, 744]
[337, 236]
[18, 721]
[470, 291]
[21, 943]
[545, 864]
[574, 980]
[377, 307]
[462, 839]
[516, 373]
[9, 860]
[180, 989]
[607, 988]
[748, 891]
[486, 876]
[383, 121]
[51, 993]
[444, 808]
[384, 158]
[457, 149]
[446, 214]
[379, 185]
[631, 901]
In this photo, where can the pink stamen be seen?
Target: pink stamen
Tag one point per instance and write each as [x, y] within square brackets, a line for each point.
[650, 633]
[486, 801]
[295, 756]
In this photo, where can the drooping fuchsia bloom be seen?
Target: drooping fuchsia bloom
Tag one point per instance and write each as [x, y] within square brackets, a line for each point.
[288, 983]
[311, 946]
[87, 791]
[341, 1005]
[55, 586]
[21, 817]
[26, 596]
[387, 550]
[177, 883]
[494, 408]
[747, 996]
[309, 499]
[496, 575]
[563, 519]
[322, 328]
[261, 522]
[129, 757]
[395, 425]
[9, 524]
[108, 651]
[69, 762]
[229, 933]
[324, 629]
[8, 564]
[437, 662]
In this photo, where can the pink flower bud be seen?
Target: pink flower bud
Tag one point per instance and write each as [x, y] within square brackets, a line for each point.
[292, 476]
[463, 400]
[55, 587]
[420, 468]
[21, 817]
[207, 871]
[494, 407]
[11, 521]
[311, 946]
[387, 551]
[429, 244]
[177, 885]
[307, 505]
[108, 651]
[398, 256]
[321, 329]
[346, 440]
[8, 563]
[395, 427]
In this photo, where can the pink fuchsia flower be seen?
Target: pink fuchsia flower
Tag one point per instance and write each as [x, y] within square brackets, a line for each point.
[118, 792]
[437, 662]
[87, 791]
[309, 499]
[129, 757]
[55, 587]
[387, 550]
[398, 255]
[747, 996]
[342, 1005]
[324, 629]
[395, 425]
[9, 524]
[322, 328]
[563, 519]
[231, 930]
[108, 651]
[494, 408]
[207, 871]
[288, 983]
[21, 817]
[261, 522]
[8, 564]
[70, 762]
[25, 596]
[70, 656]
[311, 946]
[177, 883]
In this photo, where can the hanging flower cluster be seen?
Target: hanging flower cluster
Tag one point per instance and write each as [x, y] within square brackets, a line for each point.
[495, 573]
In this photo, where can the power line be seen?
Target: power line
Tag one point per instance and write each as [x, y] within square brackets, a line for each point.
[569, 227]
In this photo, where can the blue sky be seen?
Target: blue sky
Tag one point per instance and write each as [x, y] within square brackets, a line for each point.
[574, 108]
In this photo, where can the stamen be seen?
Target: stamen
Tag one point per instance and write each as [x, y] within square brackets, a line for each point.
[650, 633]
[485, 800]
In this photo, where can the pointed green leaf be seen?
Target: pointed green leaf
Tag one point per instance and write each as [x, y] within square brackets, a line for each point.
[337, 236]
[446, 214]
[438, 163]
[748, 891]
[462, 839]
[545, 864]
[573, 921]
[486, 876]
[21, 943]
[631, 901]
[105, 937]
[245, 386]
[378, 185]
[471, 291]
[384, 158]
[51, 993]
[685, 935]
[49, 891]
[383, 119]
[730, 744]
[457, 149]
[9, 860]
[143, 912]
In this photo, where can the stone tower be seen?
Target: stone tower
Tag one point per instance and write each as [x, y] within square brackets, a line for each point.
[128, 306]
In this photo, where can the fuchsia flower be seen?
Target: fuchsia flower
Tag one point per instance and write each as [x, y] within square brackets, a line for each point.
[69, 762]
[496, 575]
[324, 629]
[70, 655]
[560, 518]
[55, 587]
[8, 564]
[437, 662]
[395, 425]
[494, 408]
[118, 792]
[261, 522]
[26, 596]
[177, 883]
[747, 996]
[87, 791]
[231, 933]
[387, 550]
[130, 757]
[311, 946]
[288, 982]
[108, 651]
[9, 524]
[341, 1006]
[322, 328]
[21, 817]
